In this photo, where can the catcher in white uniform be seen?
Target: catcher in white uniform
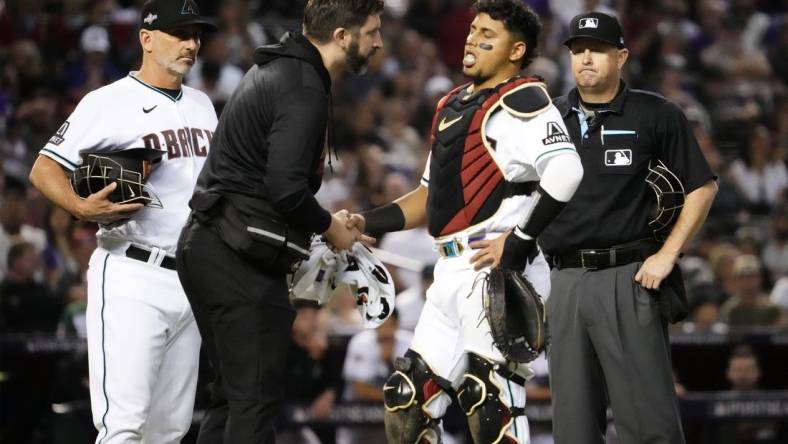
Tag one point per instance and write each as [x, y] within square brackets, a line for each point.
[143, 343]
[501, 167]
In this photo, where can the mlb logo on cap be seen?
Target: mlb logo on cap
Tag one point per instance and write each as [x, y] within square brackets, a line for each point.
[596, 26]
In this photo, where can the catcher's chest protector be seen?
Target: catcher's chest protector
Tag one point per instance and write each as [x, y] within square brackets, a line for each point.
[466, 186]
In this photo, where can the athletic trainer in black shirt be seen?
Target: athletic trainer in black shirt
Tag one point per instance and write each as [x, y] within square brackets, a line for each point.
[254, 211]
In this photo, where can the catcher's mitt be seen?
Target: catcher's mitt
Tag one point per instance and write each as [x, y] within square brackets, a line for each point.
[129, 169]
[515, 312]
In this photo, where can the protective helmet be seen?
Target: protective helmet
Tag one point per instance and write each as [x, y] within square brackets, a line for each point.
[128, 168]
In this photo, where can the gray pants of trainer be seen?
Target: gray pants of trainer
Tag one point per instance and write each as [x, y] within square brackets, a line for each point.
[609, 342]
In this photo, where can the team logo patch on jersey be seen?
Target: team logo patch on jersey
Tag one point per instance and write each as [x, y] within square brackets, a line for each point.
[614, 158]
[57, 139]
[555, 134]
[588, 23]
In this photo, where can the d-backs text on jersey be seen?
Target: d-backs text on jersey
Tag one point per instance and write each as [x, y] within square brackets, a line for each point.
[183, 142]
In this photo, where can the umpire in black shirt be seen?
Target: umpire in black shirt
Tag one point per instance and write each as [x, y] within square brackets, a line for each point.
[613, 286]
[254, 210]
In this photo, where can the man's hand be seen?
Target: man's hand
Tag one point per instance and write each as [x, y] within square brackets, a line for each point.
[655, 269]
[357, 222]
[490, 252]
[98, 208]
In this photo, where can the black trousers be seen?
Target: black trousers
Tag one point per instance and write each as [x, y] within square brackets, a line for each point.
[244, 316]
[609, 343]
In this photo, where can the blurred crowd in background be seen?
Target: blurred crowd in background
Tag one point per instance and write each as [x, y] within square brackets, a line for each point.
[724, 61]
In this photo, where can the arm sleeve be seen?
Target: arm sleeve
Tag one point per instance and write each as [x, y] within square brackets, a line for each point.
[561, 175]
[299, 124]
[82, 130]
[678, 148]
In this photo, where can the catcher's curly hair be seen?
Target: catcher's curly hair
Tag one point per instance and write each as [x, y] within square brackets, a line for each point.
[518, 19]
[322, 17]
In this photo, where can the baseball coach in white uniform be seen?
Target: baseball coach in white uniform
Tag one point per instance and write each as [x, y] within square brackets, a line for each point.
[143, 343]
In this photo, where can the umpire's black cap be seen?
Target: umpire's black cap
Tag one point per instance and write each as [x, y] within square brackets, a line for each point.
[597, 26]
[168, 14]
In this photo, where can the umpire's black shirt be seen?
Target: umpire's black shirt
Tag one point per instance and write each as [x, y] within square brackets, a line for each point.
[270, 141]
[613, 203]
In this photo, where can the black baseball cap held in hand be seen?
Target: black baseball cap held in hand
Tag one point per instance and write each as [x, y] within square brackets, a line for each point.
[168, 14]
[597, 26]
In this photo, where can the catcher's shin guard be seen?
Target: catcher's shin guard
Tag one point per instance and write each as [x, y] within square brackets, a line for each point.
[489, 417]
[406, 394]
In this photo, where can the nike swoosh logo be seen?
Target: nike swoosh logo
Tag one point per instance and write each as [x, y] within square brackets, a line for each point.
[389, 387]
[444, 124]
[146, 111]
[131, 191]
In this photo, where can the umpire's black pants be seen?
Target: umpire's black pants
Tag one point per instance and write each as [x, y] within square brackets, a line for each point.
[609, 343]
[244, 316]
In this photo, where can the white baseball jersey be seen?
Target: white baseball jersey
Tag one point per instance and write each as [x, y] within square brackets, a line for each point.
[522, 147]
[131, 114]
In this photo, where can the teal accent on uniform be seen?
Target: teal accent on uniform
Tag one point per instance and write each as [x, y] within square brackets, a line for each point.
[158, 90]
[581, 116]
[552, 151]
[70, 163]
[511, 403]
[618, 132]
[103, 352]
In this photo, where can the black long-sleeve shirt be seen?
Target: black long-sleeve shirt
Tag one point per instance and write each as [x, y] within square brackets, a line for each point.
[270, 143]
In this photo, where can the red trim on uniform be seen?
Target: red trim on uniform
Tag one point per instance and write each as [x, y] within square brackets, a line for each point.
[430, 388]
[478, 173]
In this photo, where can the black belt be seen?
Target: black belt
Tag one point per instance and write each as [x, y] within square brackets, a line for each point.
[143, 255]
[595, 259]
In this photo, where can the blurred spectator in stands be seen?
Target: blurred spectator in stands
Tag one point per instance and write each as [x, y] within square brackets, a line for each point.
[411, 300]
[60, 265]
[704, 307]
[25, 70]
[341, 315]
[371, 174]
[755, 23]
[93, 68]
[26, 306]
[72, 322]
[13, 223]
[749, 306]
[452, 32]
[779, 297]
[402, 141]
[744, 374]
[369, 361]
[241, 34]
[761, 177]
[214, 73]
[775, 252]
[314, 378]
[424, 16]
[721, 258]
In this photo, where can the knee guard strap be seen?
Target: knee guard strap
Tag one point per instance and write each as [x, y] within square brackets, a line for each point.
[480, 398]
[412, 386]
